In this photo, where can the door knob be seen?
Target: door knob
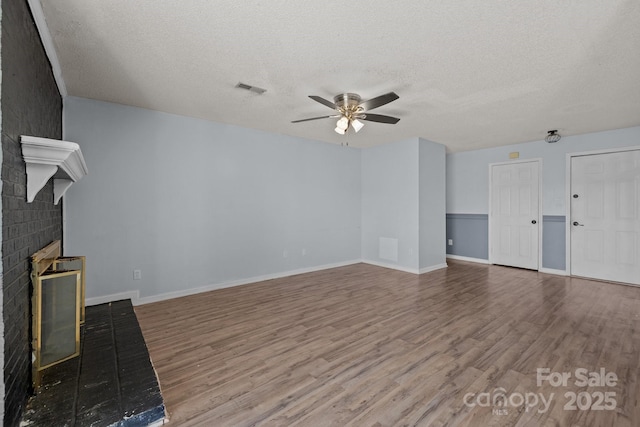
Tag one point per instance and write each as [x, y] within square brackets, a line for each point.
[576, 223]
[534, 221]
[575, 196]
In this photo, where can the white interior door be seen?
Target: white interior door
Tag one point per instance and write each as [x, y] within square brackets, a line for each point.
[514, 217]
[605, 217]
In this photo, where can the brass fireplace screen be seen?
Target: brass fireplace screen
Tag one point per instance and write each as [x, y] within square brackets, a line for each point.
[58, 307]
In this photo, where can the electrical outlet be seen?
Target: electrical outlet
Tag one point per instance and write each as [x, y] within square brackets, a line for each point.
[285, 253]
[137, 274]
[450, 242]
[304, 251]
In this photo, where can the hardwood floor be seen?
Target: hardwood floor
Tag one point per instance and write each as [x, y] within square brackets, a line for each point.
[367, 346]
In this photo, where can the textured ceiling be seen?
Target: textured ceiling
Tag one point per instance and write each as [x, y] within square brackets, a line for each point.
[469, 74]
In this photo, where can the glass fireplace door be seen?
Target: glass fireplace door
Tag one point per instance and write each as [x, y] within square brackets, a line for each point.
[73, 263]
[57, 309]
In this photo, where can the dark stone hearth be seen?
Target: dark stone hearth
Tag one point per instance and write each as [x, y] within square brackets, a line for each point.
[112, 383]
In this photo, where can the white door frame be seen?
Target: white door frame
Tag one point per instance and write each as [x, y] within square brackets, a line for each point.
[537, 160]
[568, 194]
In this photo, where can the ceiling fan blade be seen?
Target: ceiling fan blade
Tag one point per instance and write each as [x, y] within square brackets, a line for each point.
[379, 118]
[312, 118]
[379, 101]
[323, 101]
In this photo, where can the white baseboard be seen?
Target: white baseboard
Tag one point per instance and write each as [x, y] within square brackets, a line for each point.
[392, 266]
[433, 268]
[132, 295]
[137, 300]
[552, 271]
[469, 259]
[405, 269]
[255, 279]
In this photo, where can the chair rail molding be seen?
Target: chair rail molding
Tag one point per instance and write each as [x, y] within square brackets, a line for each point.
[46, 158]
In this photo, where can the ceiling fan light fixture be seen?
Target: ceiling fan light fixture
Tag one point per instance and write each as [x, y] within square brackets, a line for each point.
[357, 125]
[552, 136]
[340, 131]
[343, 123]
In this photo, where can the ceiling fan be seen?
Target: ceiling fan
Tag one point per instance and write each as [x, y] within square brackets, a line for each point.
[351, 109]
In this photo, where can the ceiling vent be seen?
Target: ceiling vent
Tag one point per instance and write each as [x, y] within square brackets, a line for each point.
[255, 89]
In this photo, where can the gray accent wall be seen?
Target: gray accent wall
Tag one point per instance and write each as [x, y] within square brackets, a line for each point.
[470, 235]
[554, 242]
[193, 203]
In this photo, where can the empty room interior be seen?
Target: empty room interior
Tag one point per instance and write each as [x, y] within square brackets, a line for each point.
[320, 213]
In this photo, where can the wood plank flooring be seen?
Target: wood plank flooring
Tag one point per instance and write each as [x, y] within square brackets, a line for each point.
[367, 346]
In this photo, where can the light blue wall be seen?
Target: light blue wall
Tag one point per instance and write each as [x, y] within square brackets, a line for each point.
[432, 193]
[390, 202]
[193, 203]
[468, 190]
[403, 201]
[468, 172]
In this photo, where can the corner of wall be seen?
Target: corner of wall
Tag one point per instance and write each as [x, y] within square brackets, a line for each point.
[390, 214]
[432, 205]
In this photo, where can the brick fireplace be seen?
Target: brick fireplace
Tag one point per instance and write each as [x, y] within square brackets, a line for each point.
[30, 105]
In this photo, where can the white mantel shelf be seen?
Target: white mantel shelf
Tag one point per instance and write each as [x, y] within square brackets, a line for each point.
[46, 158]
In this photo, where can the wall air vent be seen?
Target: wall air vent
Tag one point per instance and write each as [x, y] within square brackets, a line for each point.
[255, 89]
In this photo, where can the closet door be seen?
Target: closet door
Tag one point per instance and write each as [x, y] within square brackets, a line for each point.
[514, 217]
